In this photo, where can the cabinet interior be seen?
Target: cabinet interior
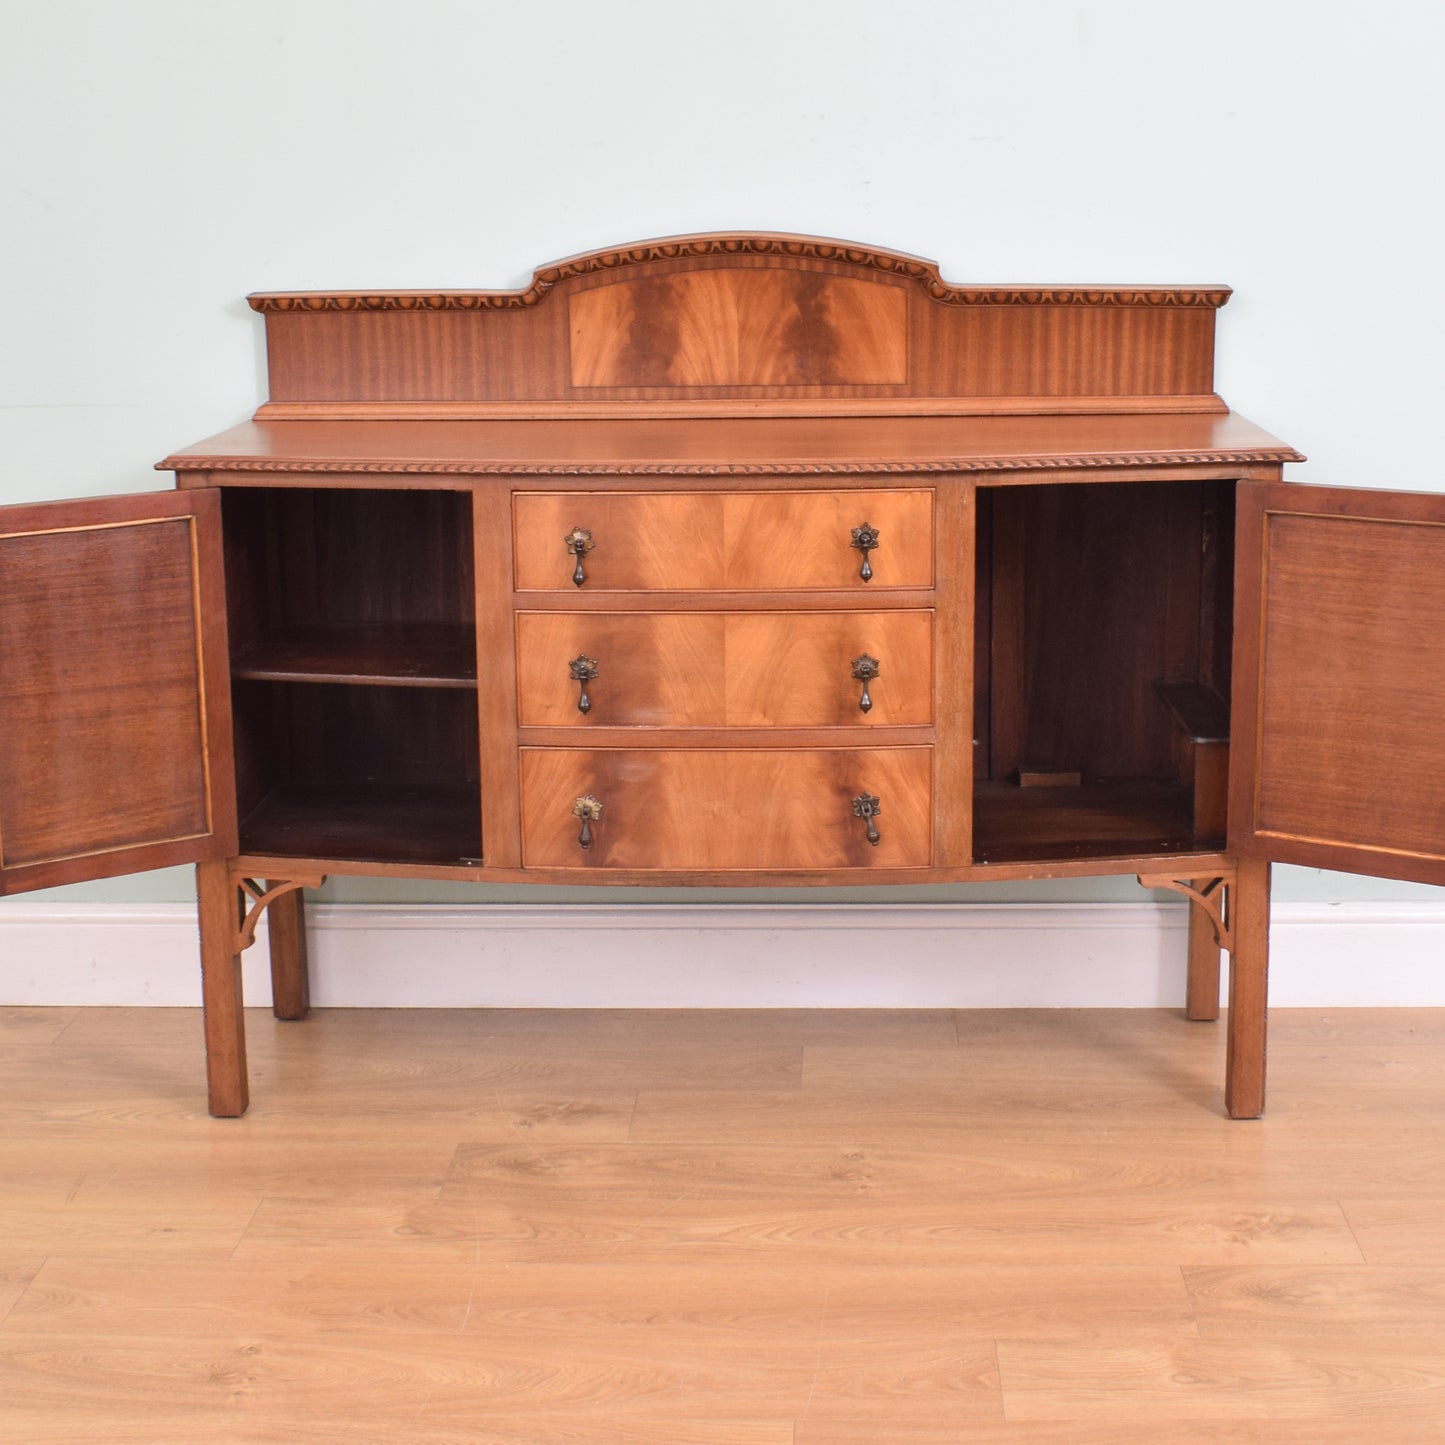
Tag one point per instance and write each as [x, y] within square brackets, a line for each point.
[1102, 647]
[353, 665]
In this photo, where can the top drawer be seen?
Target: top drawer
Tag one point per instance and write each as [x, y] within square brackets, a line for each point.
[722, 541]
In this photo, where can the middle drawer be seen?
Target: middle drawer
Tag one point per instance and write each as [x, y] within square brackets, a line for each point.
[725, 669]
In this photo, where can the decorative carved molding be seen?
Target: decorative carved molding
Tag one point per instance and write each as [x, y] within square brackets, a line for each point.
[1214, 896]
[929, 466]
[260, 896]
[723, 245]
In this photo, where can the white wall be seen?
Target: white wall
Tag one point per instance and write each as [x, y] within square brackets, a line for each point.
[161, 158]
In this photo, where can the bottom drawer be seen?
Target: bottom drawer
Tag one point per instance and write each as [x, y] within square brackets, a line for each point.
[765, 809]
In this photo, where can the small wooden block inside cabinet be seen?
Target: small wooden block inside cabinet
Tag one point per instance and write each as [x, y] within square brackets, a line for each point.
[728, 559]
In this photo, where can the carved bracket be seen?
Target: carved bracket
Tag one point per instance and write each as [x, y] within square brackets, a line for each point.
[253, 897]
[1211, 894]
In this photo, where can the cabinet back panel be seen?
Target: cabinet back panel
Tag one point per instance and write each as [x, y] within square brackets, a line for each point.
[1095, 594]
[300, 556]
[319, 733]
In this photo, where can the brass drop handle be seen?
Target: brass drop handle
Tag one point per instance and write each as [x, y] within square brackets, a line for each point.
[867, 807]
[865, 539]
[589, 810]
[866, 670]
[578, 543]
[584, 670]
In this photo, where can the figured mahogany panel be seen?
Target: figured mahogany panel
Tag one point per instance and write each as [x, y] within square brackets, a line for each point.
[741, 808]
[740, 328]
[1340, 681]
[113, 706]
[717, 669]
[743, 541]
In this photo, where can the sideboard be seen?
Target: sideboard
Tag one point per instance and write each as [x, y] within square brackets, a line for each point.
[728, 559]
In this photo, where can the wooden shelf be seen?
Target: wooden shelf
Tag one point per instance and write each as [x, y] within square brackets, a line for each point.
[422, 824]
[377, 654]
[1099, 820]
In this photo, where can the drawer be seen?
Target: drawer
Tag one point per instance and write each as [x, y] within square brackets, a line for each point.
[724, 541]
[763, 809]
[725, 669]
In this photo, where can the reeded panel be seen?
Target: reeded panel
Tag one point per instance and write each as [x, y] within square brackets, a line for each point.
[738, 541]
[763, 809]
[1340, 691]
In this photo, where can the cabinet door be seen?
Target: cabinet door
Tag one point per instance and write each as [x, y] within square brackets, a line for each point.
[1339, 684]
[115, 752]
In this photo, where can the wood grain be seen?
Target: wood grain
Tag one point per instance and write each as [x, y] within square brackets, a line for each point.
[722, 1228]
[752, 318]
[732, 541]
[716, 669]
[115, 703]
[1339, 759]
[728, 328]
[738, 808]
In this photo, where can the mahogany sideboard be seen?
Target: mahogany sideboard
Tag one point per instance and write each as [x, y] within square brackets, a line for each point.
[728, 559]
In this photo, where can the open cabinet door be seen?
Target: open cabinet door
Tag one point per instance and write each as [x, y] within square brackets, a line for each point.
[115, 750]
[1338, 751]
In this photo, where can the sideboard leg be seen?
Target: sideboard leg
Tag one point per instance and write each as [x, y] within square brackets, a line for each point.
[1202, 989]
[218, 904]
[1248, 986]
[290, 974]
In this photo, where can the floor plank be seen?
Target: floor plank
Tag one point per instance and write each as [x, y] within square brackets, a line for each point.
[620, 1228]
[1391, 1382]
[1312, 1300]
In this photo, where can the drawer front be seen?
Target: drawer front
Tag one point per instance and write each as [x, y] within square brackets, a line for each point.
[723, 541]
[719, 669]
[763, 809]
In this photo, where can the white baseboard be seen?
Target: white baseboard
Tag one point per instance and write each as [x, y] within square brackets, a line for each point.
[1055, 955]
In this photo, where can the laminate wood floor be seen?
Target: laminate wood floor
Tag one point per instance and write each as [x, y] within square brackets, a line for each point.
[722, 1228]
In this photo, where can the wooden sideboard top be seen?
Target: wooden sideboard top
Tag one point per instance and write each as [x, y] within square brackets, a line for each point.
[714, 446]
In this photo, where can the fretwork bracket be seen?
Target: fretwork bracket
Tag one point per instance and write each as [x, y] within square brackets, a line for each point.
[1211, 894]
[253, 897]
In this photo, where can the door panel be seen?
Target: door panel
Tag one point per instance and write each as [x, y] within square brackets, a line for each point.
[114, 700]
[1339, 693]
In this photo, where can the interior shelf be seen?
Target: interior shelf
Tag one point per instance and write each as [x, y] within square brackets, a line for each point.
[1101, 819]
[391, 654]
[435, 823]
